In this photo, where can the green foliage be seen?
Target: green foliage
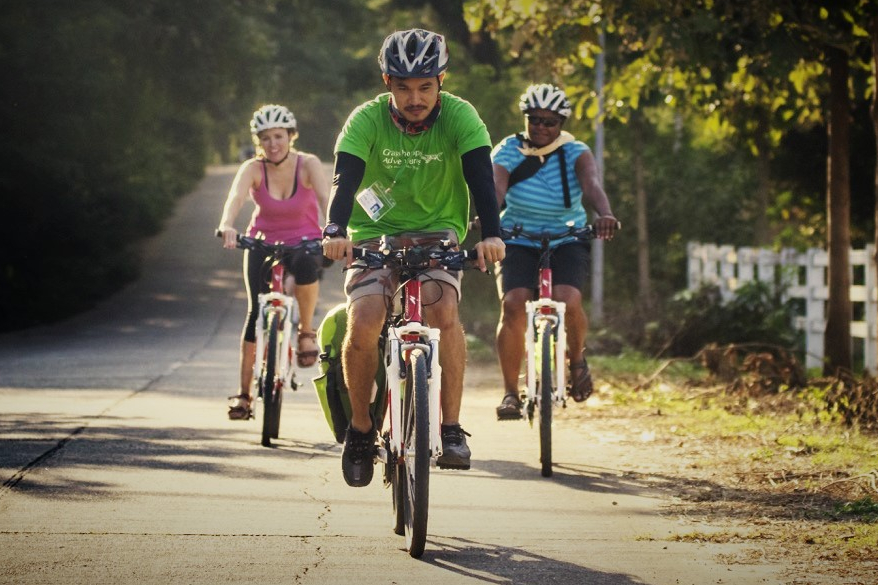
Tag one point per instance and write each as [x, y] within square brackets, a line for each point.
[111, 110]
[693, 319]
[865, 507]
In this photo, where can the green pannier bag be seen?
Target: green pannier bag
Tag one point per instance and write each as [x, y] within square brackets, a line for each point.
[331, 390]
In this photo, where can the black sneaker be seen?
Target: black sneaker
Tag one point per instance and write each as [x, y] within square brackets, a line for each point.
[357, 458]
[455, 453]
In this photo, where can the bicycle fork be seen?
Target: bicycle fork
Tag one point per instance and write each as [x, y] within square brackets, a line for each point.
[538, 312]
[275, 302]
[401, 341]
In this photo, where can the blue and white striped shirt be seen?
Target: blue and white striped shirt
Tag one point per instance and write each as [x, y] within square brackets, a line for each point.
[537, 203]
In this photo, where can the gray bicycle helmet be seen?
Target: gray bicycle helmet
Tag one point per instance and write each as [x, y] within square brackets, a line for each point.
[413, 53]
[272, 116]
[545, 96]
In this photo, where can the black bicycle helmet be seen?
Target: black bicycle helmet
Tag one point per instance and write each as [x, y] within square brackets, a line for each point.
[413, 53]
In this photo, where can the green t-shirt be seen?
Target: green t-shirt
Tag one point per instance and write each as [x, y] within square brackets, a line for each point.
[423, 171]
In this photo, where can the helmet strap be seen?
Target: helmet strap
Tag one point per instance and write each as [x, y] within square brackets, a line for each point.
[280, 162]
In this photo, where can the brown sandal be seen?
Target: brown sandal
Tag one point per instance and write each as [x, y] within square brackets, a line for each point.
[239, 407]
[581, 385]
[510, 408]
[306, 358]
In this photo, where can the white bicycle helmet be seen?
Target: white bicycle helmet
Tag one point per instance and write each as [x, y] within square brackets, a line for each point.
[272, 116]
[545, 96]
[413, 53]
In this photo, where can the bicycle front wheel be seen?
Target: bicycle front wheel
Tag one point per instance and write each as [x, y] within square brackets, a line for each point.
[546, 381]
[271, 383]
[416, 448]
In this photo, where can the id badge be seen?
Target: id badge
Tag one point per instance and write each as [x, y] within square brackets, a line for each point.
[375, 200]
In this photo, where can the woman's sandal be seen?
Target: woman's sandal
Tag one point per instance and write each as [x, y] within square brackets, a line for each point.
[581, 385]
[510, 408]
[239, 407]
[308, 357]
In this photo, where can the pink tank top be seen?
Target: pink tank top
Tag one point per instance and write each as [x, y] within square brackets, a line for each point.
[288, 220]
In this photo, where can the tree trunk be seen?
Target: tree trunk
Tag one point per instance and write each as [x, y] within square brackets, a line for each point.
[873, 29]
[837, 339]
[644, 283]
[762, 234]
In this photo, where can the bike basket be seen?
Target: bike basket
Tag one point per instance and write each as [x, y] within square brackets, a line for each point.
[331, 390]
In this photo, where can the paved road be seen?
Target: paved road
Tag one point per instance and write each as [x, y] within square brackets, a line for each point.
[119, 466]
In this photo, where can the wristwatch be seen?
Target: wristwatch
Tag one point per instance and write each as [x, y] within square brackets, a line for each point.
[333, 230]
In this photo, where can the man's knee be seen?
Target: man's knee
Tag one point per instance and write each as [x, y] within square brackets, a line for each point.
[568, 294]
[365, 319]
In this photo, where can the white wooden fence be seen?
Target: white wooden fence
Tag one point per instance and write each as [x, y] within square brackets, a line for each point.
[805, 274]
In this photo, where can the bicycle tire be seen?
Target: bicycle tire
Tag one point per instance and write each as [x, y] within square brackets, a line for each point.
[416, 444]
[398, 485]
[394, 474]
[546, 381]
[271, 387]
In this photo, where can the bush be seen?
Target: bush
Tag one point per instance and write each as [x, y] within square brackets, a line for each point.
[692, 319]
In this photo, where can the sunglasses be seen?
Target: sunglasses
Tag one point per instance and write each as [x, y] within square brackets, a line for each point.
[546, 122]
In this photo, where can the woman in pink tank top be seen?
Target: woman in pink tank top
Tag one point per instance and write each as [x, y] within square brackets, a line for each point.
[290, 191]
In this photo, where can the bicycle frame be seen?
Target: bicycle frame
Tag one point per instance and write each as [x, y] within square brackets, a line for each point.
[545, 309]
[273, 370]
[413, 380]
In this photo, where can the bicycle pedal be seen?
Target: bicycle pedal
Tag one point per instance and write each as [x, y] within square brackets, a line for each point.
[452, 466]
[502, 417]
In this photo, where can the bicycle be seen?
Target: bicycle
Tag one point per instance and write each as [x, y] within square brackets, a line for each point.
[545, 341]
[274, 370]
[412, 443]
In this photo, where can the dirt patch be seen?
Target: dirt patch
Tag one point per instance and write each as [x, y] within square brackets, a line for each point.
[791, 512]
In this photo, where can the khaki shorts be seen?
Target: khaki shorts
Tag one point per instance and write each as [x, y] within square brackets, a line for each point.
[361, 282]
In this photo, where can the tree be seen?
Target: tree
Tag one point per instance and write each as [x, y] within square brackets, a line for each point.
[754, 65]
[873, 33]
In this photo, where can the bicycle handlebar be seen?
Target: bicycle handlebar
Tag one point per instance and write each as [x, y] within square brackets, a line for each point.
[256, 244]
[415, 257]
[585, 233]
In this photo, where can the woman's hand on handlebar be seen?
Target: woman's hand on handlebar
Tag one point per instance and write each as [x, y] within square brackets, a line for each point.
[338, 249]
[229, 236]
[491, 249]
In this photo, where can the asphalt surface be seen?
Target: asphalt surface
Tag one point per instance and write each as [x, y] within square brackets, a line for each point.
[118, 464]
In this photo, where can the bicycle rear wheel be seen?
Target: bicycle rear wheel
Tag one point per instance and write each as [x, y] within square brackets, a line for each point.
[271, 383]
[546, 381]
[416, 447]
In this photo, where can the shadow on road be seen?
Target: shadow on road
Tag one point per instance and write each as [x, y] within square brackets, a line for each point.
[512, 565]
[574, 476]
[105, 447]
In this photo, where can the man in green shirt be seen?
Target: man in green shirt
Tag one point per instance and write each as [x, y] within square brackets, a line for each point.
[410, 159]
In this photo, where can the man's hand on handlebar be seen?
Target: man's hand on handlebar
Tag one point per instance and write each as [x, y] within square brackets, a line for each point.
[490, 250]
[606, 227]
[338, 248]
